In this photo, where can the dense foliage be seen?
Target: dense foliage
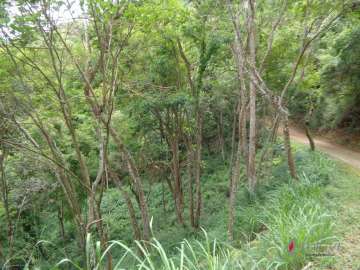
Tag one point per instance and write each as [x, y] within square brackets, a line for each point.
[148, 121]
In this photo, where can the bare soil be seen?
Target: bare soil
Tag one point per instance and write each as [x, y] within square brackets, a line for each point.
[345, 153]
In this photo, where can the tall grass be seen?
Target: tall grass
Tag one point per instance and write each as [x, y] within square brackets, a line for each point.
[206, 255]
[294, 212]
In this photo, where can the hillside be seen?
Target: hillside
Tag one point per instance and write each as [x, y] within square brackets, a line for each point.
[179, 134]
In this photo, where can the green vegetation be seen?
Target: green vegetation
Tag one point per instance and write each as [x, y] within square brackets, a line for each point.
[154, 134]
[344, 193]
[329, 94]
[283, 211]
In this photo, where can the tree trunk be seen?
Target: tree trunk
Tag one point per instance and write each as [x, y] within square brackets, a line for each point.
[136, 180]
[171, 136]
[73, 203]
[235, 175]
[252, 115]
[61, 222]
[268, 148]
[178, 193]
[242, 146]
[190, 161]
[198, 167]
[221, 134]
[287, 143]
[309, 136]
[65, 182]
[1, 254]
[130, 206]
[233, 190]
[243, 136]
[233, 137]
[5, 199]
[68, 188]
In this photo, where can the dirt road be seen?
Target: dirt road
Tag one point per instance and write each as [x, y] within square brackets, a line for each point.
[334, 150]
[345, 191]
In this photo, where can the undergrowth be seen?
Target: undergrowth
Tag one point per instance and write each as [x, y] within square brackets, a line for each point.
[288, 211]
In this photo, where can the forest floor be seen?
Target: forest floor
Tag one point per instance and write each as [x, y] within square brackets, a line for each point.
[345, 194]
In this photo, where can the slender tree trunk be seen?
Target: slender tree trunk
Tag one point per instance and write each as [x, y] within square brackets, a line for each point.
[221, 134]
[287, 143]
[190, 161]
[195, 90]
[171, 188]
[84, 172]
[252, 90]
[275, 129]
[178, 193]
[233, 138]
[271, 139]
[101, 231]
[172, 139]
[66, 184]
[61, 222]
[235, 175]
[239, 59]
[243, 130]
[136, 181]
[233, 190]
[130, 206]
[73, 203]
[198, 167]
[242, 147]
[309, 136]
[5, 199]
[2, 257]
[97, 184]
[239, 56]
[175, 194]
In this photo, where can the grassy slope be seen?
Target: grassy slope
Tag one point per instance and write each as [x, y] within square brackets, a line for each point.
[283, 211]
[328, 195]
[344, 191]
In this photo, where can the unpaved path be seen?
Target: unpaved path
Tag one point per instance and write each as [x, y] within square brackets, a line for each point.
[345, 193]
[334, 150]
